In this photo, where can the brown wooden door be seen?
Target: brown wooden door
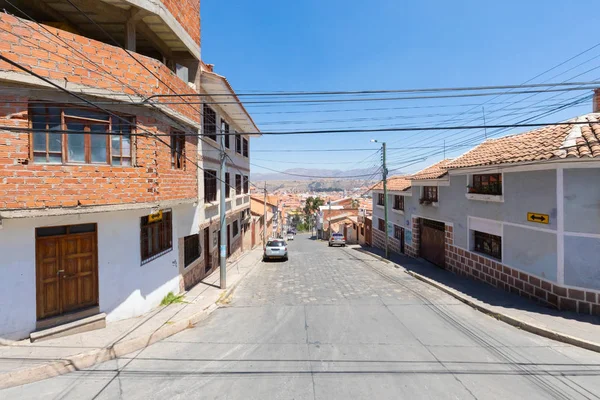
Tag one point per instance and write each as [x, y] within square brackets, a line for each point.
[66, 270]
[207, 263]
[432, 246]
[228, 240]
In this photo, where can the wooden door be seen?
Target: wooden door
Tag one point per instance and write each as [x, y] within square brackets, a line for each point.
[207, 263]
[78, 281]
[228, 240]
[432, 246]
[66, 269]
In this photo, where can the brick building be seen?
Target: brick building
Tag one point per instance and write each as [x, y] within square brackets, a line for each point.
[102, 169]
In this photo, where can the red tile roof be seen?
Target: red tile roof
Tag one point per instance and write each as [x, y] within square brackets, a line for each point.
[547, 143]
[435, 171]
[396, 183]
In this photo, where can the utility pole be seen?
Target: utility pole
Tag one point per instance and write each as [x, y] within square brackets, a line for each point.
[223, 220]
[265, 216]
[384, 172]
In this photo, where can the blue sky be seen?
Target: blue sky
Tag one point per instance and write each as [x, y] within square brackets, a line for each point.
[274, 45]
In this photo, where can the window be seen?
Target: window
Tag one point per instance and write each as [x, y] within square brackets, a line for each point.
[86, 136]
[225, 130]
[381, 225]
[397, 232]
[156, 232]
[380, 199]
[238, 143]
[227, 186]
[191, 249]
[430, 193]
[235, 229]
[245, 147]
[210, 186]
[487, 184]
[209, 125]
[177, 150]
[488, 244]
[398, 202]
[238, 184]
[120, 141]
[246, 185]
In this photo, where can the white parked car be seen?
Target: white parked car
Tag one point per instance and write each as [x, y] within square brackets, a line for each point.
[275, 248]
[290, 236]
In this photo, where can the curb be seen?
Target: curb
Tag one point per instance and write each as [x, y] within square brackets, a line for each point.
[526, 326]
[87, 359]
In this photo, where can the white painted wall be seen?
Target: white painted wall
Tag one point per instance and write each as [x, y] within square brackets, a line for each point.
[126, 288]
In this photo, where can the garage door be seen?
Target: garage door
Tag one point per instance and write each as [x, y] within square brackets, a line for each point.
[432, 242]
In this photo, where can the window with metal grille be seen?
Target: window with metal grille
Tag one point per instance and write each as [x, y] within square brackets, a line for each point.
[209, 125]
[246, 185]
[227, 185]
[238, 143]
[83, 136]
[488, 244]
[245, 147]
[398, 202]
[235, 229]
[225, 130]
[487, 184]
[397, 232]
[177, 149]
[380, 199]
[238, 184]
[381, 225]
[210, 185]
[156, 236]
[191, 249]
[430, 193]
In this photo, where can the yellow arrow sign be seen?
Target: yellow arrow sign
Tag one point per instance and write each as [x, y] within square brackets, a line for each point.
[539, 218]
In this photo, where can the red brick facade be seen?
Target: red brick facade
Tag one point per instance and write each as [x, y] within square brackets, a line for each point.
[187, 13]
[87, 62]
[25, 184]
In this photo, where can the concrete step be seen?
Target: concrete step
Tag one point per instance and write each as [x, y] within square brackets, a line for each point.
[97, 321]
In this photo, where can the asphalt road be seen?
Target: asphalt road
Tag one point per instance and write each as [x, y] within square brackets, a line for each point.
[333, 323]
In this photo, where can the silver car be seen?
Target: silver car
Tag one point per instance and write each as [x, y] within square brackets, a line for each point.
[337, 239]
[275, 248]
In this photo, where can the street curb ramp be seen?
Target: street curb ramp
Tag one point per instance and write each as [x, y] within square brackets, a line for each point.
[89, 358]
[526, 326]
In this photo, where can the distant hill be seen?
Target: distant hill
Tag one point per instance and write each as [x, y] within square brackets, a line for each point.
[309, 174]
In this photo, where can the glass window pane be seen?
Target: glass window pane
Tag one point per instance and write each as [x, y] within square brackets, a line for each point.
[82, 228]
[54, 158]
[55, 142]
[86, 114]
[39, 141]
[39, 158]
[98, 144]
[115, 145]
[75, 141]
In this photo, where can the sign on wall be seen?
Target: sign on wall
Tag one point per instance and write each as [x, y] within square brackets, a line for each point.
[390, 229]
[156, 217]
[408, 238]
[539, 218]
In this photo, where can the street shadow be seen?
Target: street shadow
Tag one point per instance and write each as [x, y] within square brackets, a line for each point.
[477, 289]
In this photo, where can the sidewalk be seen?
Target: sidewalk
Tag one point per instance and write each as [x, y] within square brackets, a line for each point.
[564, 326]
[25, 362]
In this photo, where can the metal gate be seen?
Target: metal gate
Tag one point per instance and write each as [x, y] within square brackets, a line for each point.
[432, 246]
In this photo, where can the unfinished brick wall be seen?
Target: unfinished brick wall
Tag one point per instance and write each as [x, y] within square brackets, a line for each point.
[87, 62]
[25, 184]
[187, 13]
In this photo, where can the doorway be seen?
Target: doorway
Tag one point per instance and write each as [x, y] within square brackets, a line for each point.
[207, 263]
[66, 269]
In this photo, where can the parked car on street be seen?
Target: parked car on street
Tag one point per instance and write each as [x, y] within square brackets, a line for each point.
[290, 236]
[275, 248]
[337, 239]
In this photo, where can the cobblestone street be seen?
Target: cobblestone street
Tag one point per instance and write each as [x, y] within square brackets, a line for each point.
[335, 323]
